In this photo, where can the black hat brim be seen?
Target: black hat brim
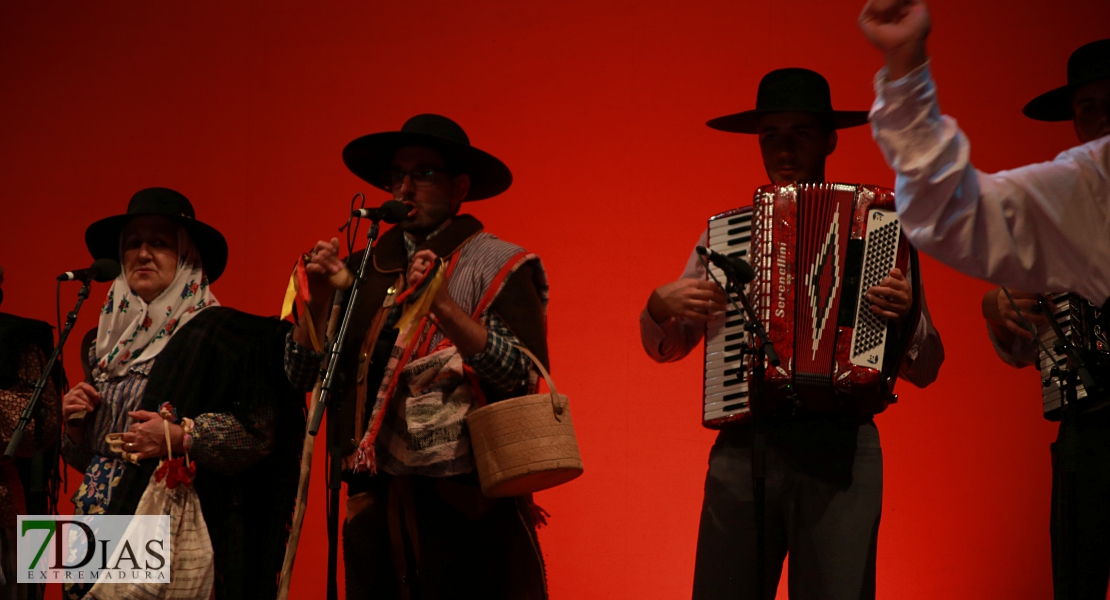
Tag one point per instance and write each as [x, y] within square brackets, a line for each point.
[748, 121]
[102, 240]
[1053, 105]
[369, 158]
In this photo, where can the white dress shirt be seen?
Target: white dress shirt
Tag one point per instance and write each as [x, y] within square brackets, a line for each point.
[1041, 228]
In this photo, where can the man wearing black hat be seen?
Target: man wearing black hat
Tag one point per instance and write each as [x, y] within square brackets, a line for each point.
[1038, 227]
[417, 524]
[824, 472]
[1088, 491]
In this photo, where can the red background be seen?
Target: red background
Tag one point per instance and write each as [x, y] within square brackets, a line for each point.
[599, 109]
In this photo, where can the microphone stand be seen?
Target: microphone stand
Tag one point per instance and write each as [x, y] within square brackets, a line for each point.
[335, 463]
[1064, 495]
[337, 344]
[763, 351]
[1079, 373]
[40, 386]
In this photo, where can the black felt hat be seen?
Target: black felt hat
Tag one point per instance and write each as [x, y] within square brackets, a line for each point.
[790, 90]
[102, 237]
[369, 156]
[1090, 62]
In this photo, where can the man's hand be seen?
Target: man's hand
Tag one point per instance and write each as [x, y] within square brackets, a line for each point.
[147, 438]
[898, 29]
[323, 263]
[693, 299]
[998, 311]
[422, 261]
[468, 335]
[892, 298]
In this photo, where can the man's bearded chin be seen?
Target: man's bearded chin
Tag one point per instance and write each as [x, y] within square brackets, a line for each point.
[424, 226]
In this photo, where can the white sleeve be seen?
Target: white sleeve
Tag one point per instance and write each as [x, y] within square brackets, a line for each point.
[1043, 227]
[674, 338]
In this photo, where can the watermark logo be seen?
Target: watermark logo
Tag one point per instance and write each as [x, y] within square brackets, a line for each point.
[93, 548]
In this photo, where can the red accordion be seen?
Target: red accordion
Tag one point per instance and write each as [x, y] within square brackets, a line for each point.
[816, 250]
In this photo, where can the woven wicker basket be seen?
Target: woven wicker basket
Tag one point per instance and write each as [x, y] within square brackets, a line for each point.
[526, 444]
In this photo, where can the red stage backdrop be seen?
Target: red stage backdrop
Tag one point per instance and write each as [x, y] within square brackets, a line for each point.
[599, 109]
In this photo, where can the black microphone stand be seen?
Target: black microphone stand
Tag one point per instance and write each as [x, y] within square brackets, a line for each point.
[763, 351]
[1078, 373]
[337, 344]
[40, 386]
[335, 463]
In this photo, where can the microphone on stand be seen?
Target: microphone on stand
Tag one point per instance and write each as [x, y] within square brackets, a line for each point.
[737, 269]
[393, 211]
[104, 269]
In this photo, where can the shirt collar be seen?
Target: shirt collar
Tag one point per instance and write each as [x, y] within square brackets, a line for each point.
[410, 244]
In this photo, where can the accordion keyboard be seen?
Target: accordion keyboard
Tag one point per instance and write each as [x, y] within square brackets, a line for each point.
[726, 383]
[1069, 314]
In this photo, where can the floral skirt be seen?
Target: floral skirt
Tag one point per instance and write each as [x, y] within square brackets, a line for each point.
[92, 498]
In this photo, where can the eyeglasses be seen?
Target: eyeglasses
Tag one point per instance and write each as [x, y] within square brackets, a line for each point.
[420, 177]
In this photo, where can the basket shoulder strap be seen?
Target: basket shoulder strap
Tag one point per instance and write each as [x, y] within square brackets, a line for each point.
[558, 403]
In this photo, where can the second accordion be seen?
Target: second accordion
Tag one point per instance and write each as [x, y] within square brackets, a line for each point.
[816, 250]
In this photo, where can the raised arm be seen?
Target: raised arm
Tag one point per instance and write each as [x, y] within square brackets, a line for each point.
[1040, 227]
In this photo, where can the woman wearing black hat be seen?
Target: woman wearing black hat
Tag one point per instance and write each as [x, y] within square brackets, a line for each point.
[163, 338]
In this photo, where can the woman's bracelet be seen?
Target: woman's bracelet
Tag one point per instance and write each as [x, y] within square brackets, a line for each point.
[187, 425]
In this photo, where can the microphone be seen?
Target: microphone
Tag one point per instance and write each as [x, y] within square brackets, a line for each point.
[393, 211]
[104, 269]
[736, 268]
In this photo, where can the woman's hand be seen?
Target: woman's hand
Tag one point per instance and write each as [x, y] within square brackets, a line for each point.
[146, 437]
[83, 397]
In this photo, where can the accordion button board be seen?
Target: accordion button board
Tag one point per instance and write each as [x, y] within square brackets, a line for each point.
[884, 232]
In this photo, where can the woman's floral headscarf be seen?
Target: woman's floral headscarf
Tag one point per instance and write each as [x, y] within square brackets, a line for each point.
[132, 332]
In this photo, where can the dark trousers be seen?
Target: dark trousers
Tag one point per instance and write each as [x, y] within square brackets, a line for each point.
[426, 538]
[823, 502]
[1082, 519]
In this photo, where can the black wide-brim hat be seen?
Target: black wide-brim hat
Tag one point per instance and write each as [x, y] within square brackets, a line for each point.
[370, 156]
[790, 90]
[103, 236]
[1091, 62]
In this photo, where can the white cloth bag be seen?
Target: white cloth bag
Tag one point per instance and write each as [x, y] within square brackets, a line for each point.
[192, 565]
